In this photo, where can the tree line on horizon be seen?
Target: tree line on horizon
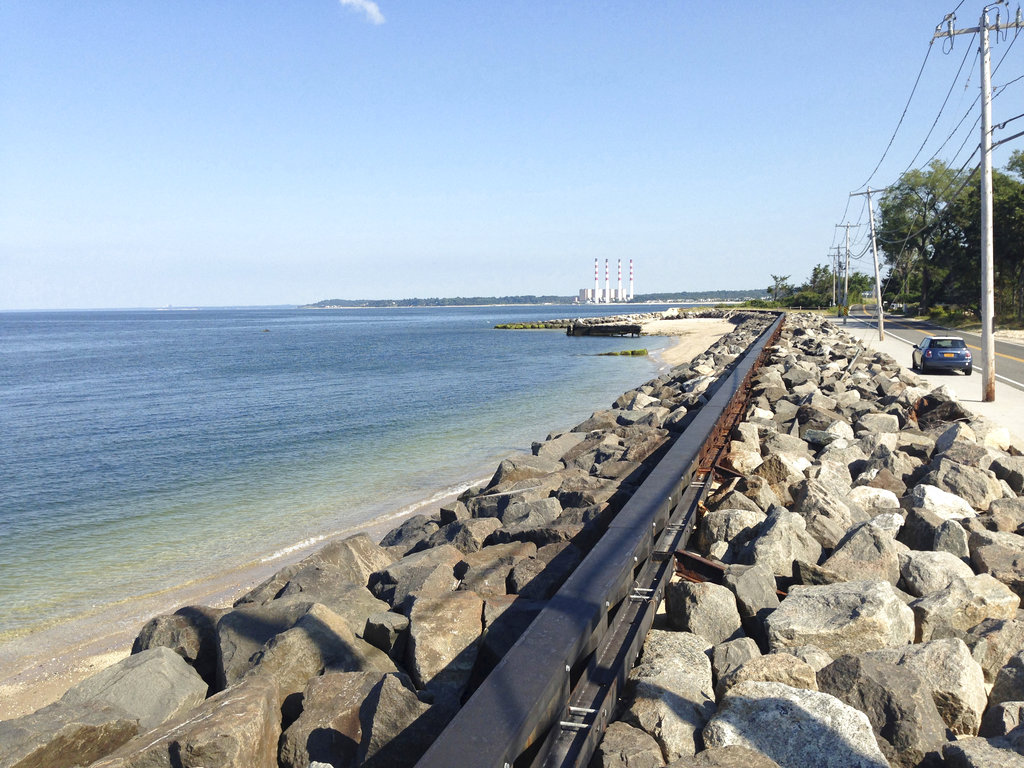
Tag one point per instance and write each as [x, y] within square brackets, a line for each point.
[720, 295]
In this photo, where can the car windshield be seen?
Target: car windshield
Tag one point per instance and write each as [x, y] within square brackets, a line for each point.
[948, 344]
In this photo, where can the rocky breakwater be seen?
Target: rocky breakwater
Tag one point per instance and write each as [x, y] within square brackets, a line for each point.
[361, 653]
[873, 556]
[633, 324]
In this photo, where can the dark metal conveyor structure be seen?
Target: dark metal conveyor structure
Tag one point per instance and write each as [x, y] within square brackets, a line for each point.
[549, 699]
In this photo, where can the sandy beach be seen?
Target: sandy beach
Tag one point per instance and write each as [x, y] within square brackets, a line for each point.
[36, 669]
[691, 336]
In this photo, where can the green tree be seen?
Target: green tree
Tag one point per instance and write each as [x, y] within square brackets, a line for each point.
[919, 240]
[930, 236]
[780, 287]
[816, 292]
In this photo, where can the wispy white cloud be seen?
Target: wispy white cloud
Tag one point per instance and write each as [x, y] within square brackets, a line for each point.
[373, 14]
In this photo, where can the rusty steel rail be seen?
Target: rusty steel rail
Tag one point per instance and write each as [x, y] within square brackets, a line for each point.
[581, 646]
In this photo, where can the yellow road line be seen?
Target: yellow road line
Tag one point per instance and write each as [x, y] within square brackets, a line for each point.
[969, 346]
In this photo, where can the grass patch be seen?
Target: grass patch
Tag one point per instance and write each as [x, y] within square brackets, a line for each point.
[624, 353]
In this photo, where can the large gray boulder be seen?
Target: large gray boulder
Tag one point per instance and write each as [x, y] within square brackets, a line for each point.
[981, 753]
[962, 604]
[1009, 682]
[877, 422]
[63, 736]
[768, 716]
[625, 746]
[828, 517]
[955, 679]
[729, 656]
[1011, 470]
[756, 597]
[992, 642]
[389, 632]
[151, 686]
[925, 530]
[539, 512]
[941, 502]
[898, 703]
[470, 535]
[848, 617]
[774, 668]
[670, 693]
[1000, 554]
[428, 572]
[236, 728]
[1002, 718]
[320, 641]
[191, 632]
[444, 639]
[353, 602]
[978, 487]
[703, 608]
[328, 729]
[522, 467]
[486, 571]
[727, 525]
[782, 539]
[349, 560]
[396, 726]
[874, 500]
[865, 553]
[922, 573]
[410, 536]
[243, 631]
[556, 445]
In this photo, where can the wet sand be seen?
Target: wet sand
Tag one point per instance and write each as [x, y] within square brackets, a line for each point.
[691, 336]
[36, 669]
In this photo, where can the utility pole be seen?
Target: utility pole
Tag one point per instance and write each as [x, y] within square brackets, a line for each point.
[846, 273]
[835, 266]
[874, 251]
[988, 349]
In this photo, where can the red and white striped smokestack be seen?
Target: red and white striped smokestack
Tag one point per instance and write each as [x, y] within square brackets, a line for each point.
[630, 279]
[597, 281]
[618, 290]
[607, 283]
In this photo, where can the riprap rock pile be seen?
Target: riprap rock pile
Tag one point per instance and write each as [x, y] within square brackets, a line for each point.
[892, 520]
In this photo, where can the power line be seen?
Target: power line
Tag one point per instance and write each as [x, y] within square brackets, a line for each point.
[902, 116]
[935, 122]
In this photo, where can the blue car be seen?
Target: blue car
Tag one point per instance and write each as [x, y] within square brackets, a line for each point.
[942, 353]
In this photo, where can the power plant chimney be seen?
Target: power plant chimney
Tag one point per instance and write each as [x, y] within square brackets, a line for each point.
[630, 279]
[618, 290]
[607, 284]
[597, 283]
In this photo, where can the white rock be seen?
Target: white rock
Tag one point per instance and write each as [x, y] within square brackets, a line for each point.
[794, 727]
[946, 505]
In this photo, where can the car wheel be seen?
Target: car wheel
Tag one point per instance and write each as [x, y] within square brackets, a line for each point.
[913, 363]
[968, 370]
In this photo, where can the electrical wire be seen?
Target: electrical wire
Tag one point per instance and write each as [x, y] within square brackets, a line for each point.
[1000, 88]
[902, 116]
[935, 122]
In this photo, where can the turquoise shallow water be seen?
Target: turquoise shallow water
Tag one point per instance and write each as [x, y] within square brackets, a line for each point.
[144, 449]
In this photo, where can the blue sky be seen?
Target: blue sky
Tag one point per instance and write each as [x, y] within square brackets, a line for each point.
[237, 153]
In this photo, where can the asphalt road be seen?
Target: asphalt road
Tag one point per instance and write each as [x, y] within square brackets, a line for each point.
[1009, 356]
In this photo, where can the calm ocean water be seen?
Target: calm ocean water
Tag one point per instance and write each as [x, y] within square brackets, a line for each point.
[144, 449]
